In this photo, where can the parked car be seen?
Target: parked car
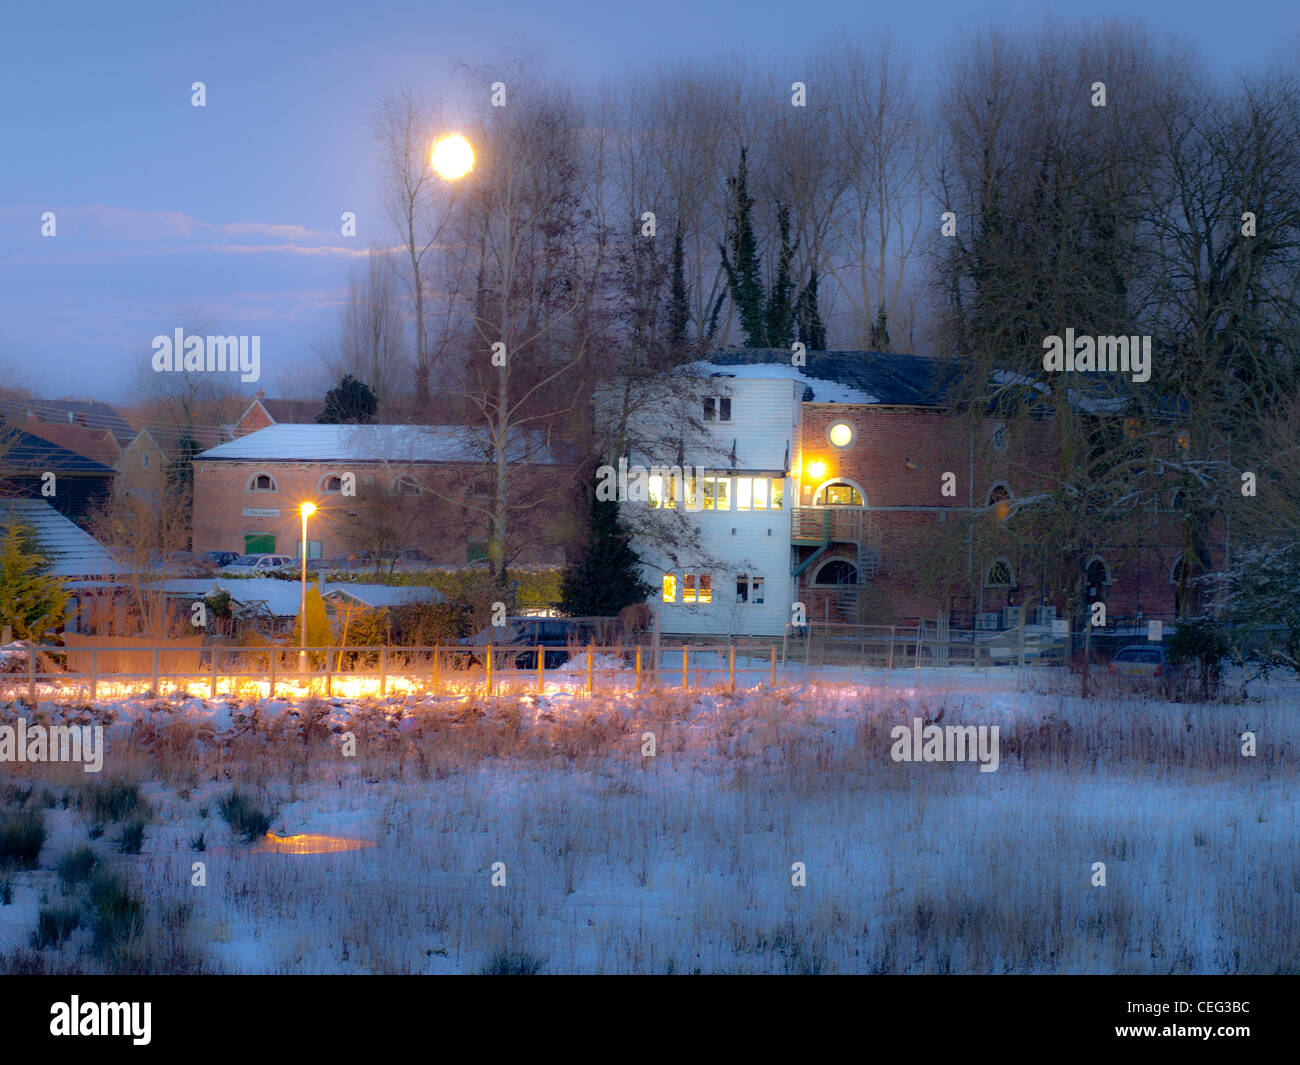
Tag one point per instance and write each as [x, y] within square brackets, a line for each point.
[1144, 662]
[556, 636]
[259, 565]
[217, 559]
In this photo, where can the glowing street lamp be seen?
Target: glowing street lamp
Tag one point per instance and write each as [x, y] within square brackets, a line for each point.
[307, 509]
[452, 157]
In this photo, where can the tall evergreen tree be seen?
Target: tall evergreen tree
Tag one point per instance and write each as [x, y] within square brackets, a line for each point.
[880, 332]
[810, 329]
[349, 403]
[780, 307]
[740, 259]
[679, 300]
[606, 577]
[32, 601]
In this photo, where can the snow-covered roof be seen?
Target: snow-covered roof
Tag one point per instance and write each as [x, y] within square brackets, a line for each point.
[282, 599]
[374, 443]
[881, 377]
[72, 550]
[823, 391]
[383, 595]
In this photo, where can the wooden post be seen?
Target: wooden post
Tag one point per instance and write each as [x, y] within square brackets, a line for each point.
[638, 667]
[329, 674]
[94, 672]
[272, 672]
[31, 675]
[731, 668]
[383, 671]
[686, 679]
[488, 688]
[212, 684]
[773, 665]
[892, 630]
[156, 691]
[588, 668]
[433, 680]
[541, 670]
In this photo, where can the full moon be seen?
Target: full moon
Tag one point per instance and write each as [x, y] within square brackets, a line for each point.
[452, 157]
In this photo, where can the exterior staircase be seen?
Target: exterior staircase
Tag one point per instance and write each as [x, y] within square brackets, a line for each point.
[821, 527]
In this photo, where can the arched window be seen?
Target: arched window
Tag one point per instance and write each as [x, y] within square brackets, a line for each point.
[837, 571]
[1096, 578]
[999, 500]
[405, 486]
[1177, 571]
[262, 482]
[999, 574]
[839, 494]
[331, 482]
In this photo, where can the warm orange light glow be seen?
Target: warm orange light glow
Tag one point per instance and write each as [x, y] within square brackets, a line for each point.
[307, 844]
[452, 157]
[308, 509]
[816, 470]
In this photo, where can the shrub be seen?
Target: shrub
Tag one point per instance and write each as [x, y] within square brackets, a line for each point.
[76, 866]
[53, 926]
[22, 835]
[513, 963]
[6, 892]
[117, 916]
[132, 838]
[199, 843]
[245, 817]
[115, 801]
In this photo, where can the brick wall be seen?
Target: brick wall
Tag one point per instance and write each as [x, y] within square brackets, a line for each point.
[898, 458]
[439, 528]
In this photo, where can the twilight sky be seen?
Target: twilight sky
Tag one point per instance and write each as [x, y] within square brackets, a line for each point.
[166, 212]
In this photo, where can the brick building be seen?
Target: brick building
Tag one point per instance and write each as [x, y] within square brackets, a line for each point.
[378, 489]
[894, 510]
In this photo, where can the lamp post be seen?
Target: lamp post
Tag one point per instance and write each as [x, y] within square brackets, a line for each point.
[307, 509]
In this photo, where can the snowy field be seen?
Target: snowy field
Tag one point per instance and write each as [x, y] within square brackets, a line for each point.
[615, 861]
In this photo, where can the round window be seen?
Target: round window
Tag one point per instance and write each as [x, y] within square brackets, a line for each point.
[841, 434]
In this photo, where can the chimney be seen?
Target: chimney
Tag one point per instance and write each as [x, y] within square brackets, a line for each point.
[261, 394]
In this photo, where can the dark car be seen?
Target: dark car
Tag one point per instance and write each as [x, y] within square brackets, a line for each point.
[217, 559]
[556, 636]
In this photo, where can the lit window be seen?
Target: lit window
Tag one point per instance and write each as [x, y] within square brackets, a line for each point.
[698, 588]
[842, 495]
[778, 492]
[656, 492]
[717, 493]
[744, 493]
[670, 588]
[760, 493]
[841, 434]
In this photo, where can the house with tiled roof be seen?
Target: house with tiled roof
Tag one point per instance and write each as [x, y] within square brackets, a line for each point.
[34, 468]
[263, 412]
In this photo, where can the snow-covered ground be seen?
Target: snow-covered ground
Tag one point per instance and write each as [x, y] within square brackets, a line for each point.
[612, 860]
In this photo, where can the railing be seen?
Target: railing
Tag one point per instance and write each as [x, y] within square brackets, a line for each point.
[849, 525]
[464, 670]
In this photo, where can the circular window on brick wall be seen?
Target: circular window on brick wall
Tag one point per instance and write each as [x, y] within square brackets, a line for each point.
[840, 434]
